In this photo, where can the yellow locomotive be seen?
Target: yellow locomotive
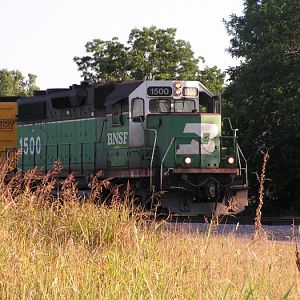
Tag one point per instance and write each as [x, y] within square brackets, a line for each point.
[8, 125]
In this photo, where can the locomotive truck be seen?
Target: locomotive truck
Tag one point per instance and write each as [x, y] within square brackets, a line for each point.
[158, 135]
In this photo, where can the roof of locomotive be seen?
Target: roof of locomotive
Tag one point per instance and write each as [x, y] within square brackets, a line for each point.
[121, 91]
[113, 92]
[9, 99]
[108, 93]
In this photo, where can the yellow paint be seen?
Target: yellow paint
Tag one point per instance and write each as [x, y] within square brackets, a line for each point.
[8, 126]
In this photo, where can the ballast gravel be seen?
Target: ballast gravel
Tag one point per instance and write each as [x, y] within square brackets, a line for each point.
[274, 232]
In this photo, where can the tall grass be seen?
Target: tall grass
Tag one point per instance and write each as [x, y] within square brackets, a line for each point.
[261, 179]
[72, 248]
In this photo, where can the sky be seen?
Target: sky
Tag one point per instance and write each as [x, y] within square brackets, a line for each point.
[42, 36]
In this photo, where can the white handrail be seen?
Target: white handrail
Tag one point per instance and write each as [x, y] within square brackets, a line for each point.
[240, 152]
[162, 161]
[152, 155]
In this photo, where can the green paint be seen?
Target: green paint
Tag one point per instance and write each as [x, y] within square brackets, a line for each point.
[74, 143]
[192, 134]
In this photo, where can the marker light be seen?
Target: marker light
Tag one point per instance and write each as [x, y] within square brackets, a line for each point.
[230, 160]
[187, 160]
[177, 85]
[177, 88]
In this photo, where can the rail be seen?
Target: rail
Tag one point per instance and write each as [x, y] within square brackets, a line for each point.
[242, 162]
[162, 161]
[243, 167]
[231, 219]
[152, 155]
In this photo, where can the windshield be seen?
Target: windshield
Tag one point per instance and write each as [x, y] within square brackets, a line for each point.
[166, 105]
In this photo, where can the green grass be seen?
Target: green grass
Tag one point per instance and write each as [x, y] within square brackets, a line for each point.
[82, 250]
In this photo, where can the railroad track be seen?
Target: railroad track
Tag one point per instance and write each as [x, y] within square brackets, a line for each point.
[242, 220]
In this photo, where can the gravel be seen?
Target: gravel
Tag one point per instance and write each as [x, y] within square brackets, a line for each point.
[278, 233]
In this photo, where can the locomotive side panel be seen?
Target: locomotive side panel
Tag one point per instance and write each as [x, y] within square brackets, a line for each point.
[68, 125]
[72, 142]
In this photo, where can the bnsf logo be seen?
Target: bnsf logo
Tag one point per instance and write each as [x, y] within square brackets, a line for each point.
[117, 138]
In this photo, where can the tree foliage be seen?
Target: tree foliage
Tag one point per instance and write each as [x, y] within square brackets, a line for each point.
[108, 61]
[264, 90]
[156, 54]
[213, 78]
[150, 53]
[13, 83]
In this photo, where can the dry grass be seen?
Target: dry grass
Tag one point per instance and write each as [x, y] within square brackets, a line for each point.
[80, 250]
[261, 179]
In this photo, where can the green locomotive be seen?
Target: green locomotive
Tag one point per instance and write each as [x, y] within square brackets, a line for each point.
[159, 135]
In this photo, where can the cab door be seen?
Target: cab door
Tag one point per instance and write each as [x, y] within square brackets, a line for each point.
[136, 123]
[117, 134]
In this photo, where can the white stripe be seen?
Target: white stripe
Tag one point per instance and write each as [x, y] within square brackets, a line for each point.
[64, 121]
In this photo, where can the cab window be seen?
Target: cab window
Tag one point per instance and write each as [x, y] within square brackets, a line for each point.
[137, 109]
[210, 104]
[159, 105]
[184, 106]
[177, 106]
[117, 114]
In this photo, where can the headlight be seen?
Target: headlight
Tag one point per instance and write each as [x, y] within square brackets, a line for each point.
[230, 160]
[177, 88]
[177, 92]
[187, 160]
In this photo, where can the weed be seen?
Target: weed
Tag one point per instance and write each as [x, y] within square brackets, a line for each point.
[261, 179]
[70, 247]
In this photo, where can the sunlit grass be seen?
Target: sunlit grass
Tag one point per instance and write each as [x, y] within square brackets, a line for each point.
[70, 248]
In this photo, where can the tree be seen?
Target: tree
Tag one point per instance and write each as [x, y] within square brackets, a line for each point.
[13, 83]
[156, 54]
[30, 85]
[213, 78]
[108, 61]
[151, 53]
[264, 89]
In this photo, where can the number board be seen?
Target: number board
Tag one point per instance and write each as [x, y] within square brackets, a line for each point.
[159, 91]
[190, 92]
[7, 124]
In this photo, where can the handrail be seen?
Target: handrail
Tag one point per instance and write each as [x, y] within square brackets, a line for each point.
[152, 155]
[230, 124]
[153, 152]
[241, 160]
[162, 161]
[239, 152]
[229, 121]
